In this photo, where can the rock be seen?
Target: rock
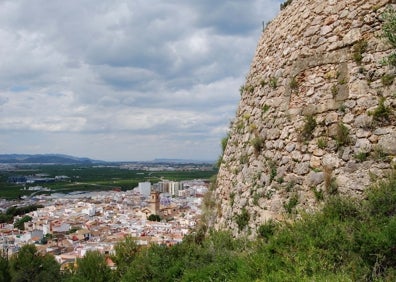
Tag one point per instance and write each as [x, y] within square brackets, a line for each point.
[388, 143]
[317, 73]
[315, 178]
[330, 161]
[302, 168]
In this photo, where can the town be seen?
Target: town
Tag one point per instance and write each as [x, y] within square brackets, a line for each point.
[69, 225]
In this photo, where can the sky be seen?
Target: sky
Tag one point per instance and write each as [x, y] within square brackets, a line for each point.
[124, 80]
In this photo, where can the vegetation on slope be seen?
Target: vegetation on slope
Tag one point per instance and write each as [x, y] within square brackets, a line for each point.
[347, 241]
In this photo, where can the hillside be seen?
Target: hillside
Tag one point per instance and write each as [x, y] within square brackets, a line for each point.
[43, 159]
[316, 116]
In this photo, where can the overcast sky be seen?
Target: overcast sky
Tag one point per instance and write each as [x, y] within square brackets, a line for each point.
[124, 80]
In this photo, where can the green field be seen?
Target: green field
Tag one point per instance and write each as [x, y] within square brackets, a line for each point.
[91, 178]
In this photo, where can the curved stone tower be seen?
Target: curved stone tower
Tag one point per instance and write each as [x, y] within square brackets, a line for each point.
[316, 115]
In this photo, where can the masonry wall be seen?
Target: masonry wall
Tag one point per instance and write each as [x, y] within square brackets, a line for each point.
[312, 119]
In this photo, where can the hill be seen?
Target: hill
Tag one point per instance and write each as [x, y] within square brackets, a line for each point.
[44, 159]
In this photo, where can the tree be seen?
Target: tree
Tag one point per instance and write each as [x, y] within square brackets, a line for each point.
[20, 223]
[92, 267]
[28, 265]
[154, 217]
[4, 272]
[126, 252]
[389, 32]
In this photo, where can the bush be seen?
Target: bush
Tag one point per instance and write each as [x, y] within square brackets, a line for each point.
[358, 49]
[242, 219]
[342, 137]
[308, 128]
[258, 144]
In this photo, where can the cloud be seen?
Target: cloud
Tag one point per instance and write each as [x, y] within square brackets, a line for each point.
[146, 79]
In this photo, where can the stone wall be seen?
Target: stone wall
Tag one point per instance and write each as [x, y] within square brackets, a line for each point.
[316, 115]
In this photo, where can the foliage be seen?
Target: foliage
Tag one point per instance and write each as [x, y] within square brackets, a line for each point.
[20, 223]
[273, 82]
[98, 178]
[387, 79]
[308, 128]
[242, 219]
[224, 142]
[14, 211]
[342, 138]
[348, 240]
[322, 143]
[29, 266]
[265, 108]
[291, 203]
[154, 217]
[4, 271]
[382, 112]
[267, 229]
[389, 32]
[293, 84]
[92, 267]
[358, 49]
[285, 4]
[361, 156]
[257, 143]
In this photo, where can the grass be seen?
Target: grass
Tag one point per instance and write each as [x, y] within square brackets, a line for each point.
[387, 79]
[308, 128]
[342, 136]
[358, 49]
[258, 144]
[382, 112]
[348, 240]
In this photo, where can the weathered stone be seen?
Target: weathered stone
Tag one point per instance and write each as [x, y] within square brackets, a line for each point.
[302, 168]
[331, 118]
[290, 147]
[315, 178]
[317, 74]
[315, 162]
[363, 121]
[388, 143]
[330, 161]
[362, 146]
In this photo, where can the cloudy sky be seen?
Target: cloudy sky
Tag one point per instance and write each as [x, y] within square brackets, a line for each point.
[124, 79]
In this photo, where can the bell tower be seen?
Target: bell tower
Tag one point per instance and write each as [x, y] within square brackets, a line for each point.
[154, 202]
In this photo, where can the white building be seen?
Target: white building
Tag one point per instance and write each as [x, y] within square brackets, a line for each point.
[144, 188]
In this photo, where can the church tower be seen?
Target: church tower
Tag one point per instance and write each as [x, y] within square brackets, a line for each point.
[154, 202]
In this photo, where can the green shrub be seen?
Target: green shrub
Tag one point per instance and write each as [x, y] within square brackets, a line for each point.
[272, 170]
[308, 128]
[242, 219]
[258, 144]
[265, 108]
[294, 84]
[387, 79]
[358, 49]
[273, 82]
[267, 229]
[291, 203]
[361, 156]
[319, 195]
[285, 4]
[342, 137]
[382, 112]
[322, 143]
[389, 26]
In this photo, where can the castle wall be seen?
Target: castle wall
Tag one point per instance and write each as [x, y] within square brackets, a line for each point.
[317, 63]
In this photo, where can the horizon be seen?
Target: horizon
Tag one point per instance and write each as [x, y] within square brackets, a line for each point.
[121, 80]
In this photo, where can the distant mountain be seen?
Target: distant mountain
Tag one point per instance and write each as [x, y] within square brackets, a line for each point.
[45, 159]
[182, 161]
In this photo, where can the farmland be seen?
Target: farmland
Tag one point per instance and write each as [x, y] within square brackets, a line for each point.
[91, 178]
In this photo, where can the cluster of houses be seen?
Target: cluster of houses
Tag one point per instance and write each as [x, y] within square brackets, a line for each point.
[70, 225]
